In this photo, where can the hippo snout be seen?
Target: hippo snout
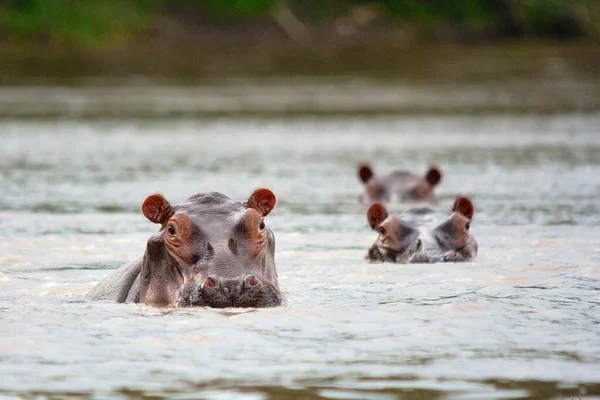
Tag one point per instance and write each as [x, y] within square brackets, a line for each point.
[220, 292]
[224, 292]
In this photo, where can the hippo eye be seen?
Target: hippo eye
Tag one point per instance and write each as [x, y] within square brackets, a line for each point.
[262, 225]
[171, 230]
[381, 230]
[468, 225]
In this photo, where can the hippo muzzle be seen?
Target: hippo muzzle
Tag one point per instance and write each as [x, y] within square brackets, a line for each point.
[217, 292]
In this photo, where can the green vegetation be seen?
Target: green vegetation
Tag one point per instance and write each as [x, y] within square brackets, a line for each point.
[86, 23]
[80, 22]
[237, 8]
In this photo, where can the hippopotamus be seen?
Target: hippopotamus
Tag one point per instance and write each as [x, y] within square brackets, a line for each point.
[209, 251]
[398, 186]
[422, 235]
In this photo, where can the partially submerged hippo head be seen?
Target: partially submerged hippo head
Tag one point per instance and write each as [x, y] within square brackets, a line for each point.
[398, 185]
[422, 235]
[209, 251]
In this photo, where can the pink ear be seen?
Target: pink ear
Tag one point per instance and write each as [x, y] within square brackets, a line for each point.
[376, 214]
[156, 208]
[464, 206]
[434, 176]
[364, 172]
[262, 200]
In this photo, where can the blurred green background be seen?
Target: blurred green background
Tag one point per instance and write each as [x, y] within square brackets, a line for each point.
[88, 23]
[185, 39]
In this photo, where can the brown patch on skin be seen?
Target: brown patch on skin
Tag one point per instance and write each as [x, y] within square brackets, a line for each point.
[156, 208]
[464, 206]
[257, 236]
[423, 190]
[158, 298]
[210, 251]
[388, 234]
[434, 176]
[365, 172]
[262, 200]
[374, 190]
[178, 232]
[376, 214]
[460, 230]
[232, 246]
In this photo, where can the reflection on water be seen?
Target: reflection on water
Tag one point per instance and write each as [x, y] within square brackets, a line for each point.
[519, 322]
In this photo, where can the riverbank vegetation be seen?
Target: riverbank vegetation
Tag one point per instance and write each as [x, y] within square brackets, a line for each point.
[89, 23]
[50, 41]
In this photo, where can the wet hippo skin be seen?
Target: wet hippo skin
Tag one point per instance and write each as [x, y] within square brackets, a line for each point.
[209, 251]
[398, 186]
[422, 234]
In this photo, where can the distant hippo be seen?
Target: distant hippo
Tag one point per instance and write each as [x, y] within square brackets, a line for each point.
[398, 186]
[421, 235]
[209, 251]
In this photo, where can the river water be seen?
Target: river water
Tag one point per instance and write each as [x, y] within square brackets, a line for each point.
[521, 321]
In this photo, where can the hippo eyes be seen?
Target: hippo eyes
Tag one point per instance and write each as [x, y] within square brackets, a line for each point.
[468, 225]
[381, 230]
[171, 230]
[178, 232]
[262, 225]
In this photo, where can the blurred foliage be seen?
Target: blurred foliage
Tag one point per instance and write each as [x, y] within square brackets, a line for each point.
[89, 22]
[81, 22]
[430, 11]
[543, 15]
[237, 8]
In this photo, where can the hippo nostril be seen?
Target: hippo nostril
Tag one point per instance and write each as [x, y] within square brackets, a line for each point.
[210, 282]
[252, 282]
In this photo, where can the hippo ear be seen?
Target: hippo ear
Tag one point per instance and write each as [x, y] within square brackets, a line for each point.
[156, 208]
[464, 206]
[376, 214]
[365, 172]
[434, 176]
[262, 200]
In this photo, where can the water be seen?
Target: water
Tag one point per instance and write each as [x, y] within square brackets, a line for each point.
[521, 321]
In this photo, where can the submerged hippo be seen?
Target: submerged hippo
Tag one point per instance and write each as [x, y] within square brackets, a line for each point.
[422, 235]
[209, 251]
[398, 186]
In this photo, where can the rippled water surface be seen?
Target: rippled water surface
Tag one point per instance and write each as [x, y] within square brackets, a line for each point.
[521, 321]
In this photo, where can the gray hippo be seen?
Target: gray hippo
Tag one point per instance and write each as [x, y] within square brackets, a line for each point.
[209, 251]
[422, 235]
[398, 186]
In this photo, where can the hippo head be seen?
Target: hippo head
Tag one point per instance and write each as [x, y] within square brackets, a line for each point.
[210, 251]
[399, 185]
[421, 235]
